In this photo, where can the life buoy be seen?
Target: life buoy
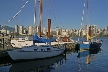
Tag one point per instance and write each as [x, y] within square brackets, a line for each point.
[26, 38]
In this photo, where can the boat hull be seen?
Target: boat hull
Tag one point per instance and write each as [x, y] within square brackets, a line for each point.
[95, 45]
[84, 46]
[88, 46]
[22, 55]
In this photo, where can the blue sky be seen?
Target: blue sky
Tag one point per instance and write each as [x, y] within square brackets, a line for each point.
[63, 13]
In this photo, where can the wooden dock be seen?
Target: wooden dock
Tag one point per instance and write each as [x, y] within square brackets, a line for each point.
[5, 37]
[3, 49]
[68, 46]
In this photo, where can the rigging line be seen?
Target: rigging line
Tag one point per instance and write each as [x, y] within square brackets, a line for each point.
[93, 12]
[44, 23]
[50, 11]
[59, 19]
[17, 13]
[53, 12]
[17, 17]
[83, 14]
[7, 8]
[27, 12]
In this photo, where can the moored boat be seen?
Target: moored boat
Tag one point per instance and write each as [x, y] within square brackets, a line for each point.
[35, 52]
[89, 43]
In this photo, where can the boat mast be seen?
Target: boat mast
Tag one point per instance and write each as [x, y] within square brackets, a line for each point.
[40, 18]
[81, 30]
[35, 29]
[87, 20]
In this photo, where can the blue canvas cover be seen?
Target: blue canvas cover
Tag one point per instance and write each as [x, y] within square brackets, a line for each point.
[36, 39]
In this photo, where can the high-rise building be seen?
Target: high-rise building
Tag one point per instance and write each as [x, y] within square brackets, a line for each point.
[94, 29]
[25, 31]
[57, 30]
[8, 32]
[30, 30]
[16, 29]
[21, 30]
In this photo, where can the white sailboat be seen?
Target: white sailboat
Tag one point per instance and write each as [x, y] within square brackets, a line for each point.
[32, 52]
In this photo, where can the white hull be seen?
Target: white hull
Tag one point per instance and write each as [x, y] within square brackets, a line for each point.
[29, 54]
[86, 42]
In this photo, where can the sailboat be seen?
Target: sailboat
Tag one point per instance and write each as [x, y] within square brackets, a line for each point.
[89, 43]
[36, 52]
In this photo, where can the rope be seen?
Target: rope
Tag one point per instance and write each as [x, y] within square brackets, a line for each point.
[26, 14]
[16, 13]
[53, 13]
[93, 13]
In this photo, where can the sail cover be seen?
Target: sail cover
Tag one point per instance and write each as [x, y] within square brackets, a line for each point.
[36, 39]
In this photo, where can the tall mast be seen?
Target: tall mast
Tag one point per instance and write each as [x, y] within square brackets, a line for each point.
[87, 10]
[35, 30]
[87, 20]
[83, 13]
[40, 18]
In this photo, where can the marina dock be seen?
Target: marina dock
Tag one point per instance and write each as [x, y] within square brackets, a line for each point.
[68, 46]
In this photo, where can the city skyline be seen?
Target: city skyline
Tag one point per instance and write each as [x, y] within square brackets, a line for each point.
[64, 14]
[20, 30]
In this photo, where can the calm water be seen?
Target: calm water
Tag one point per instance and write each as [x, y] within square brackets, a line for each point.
[86, 61]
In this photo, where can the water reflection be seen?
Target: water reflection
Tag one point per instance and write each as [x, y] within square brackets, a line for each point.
[89, 54]
[42, 65]
[80, 61]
